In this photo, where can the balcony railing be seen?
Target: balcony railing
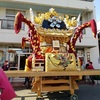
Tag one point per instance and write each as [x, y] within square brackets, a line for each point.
[9, 24]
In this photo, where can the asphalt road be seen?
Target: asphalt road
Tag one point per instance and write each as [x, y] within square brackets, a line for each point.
[85, 92]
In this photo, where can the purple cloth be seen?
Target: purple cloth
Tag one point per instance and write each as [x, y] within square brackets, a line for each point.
[8, 92]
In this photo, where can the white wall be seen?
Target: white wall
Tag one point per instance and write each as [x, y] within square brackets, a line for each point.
[88, 39]
[11, 37]
[98, 26]
[95, 57]
[58, 3]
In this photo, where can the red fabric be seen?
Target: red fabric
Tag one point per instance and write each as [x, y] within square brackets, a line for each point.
[94, 27]
[90, 67]
[18, 22]
[7, 91]
[30, 61]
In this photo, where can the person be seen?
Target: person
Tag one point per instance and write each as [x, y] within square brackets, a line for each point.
[90, 66]
[5, 66]
[27, 82]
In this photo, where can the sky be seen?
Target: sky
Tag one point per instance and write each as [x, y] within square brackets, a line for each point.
[97, 9]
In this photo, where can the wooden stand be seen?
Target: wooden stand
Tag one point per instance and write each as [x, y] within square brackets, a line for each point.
[51, 84]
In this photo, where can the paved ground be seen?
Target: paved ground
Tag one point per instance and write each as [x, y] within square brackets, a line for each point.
[85, 92]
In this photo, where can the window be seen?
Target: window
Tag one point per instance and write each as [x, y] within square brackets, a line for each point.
[8, 23]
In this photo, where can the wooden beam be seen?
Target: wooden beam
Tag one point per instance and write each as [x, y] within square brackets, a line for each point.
[22, 73]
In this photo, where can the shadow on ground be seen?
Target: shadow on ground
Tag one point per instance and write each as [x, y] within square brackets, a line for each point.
[85, 92]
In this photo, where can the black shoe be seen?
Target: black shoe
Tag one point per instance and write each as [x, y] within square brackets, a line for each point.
[23, 84]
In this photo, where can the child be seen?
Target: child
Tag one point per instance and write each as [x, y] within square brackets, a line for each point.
[90, 66]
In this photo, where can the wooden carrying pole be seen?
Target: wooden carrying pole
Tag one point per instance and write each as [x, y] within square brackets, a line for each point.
[41, 84]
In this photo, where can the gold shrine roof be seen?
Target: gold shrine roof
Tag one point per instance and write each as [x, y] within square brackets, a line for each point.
[53, 24]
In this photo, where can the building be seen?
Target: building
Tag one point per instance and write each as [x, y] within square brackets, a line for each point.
[98, 32]
[87, 49]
